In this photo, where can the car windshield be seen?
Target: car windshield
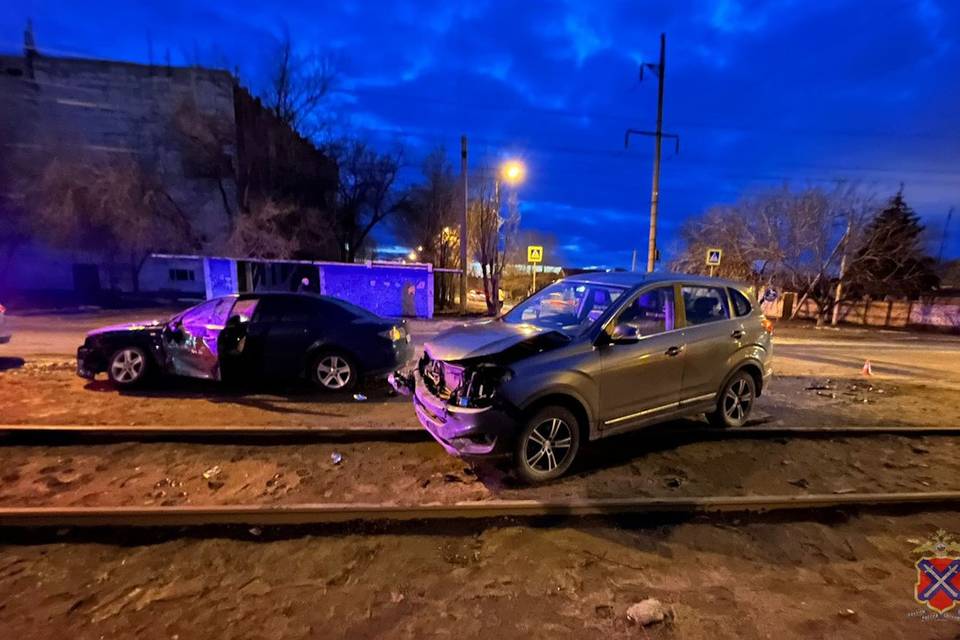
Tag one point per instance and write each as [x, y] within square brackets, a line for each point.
[570, 307]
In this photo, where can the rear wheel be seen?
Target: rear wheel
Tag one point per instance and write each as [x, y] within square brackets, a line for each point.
[128, 367]
[333, 371]
[735, 401]
[547, 445]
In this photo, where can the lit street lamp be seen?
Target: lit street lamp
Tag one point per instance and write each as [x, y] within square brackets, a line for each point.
[513, 172]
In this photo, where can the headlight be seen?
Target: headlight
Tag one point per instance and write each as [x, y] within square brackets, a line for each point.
[480, 385]
[394, 334]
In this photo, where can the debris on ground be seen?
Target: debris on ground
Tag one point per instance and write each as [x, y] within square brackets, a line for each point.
[359, 397]
[255, 531]
[464, 476]
[647, 612]
[336, 457]
[212, 472]
[821, 386]
[824, 394]
[799, 482]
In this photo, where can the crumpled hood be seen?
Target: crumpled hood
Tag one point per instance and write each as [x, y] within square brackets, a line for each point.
[144, 325]
[481, 339]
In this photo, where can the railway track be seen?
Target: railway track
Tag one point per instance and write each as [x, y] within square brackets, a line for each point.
[136, 432]
[316, 514]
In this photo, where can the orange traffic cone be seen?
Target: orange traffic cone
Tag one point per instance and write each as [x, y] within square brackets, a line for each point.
[867, 369]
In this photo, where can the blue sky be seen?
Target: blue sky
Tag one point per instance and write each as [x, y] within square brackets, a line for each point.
[760, 93]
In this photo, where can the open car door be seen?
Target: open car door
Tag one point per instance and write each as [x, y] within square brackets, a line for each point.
[191, 339]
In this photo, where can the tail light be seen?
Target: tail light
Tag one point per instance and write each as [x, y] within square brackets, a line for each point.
[767, 325]
[3, 309]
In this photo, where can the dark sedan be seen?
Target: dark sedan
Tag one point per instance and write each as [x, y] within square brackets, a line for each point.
[252, 336]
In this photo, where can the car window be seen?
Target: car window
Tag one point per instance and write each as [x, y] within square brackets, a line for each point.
[211, 313]
[245, 309]
[741, 305]
[650, 313]
[339, 309]
[286, 309]
[705, 304]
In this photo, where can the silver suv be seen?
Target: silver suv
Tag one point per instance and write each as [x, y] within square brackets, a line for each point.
[589, 357]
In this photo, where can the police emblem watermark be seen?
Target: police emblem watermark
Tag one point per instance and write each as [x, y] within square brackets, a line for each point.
[938, 578]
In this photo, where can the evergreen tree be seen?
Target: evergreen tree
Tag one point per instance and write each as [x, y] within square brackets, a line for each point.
[890, 260]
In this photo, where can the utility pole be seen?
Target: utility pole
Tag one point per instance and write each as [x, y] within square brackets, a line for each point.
[463, 226]
[661, 70]
[633, 262]
[843, 272]
[658, 141]
[943, 238]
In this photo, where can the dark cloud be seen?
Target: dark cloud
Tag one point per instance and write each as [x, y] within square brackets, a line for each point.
[761, 91]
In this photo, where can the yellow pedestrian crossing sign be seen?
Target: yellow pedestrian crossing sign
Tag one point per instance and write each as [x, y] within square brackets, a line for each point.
[713, 257]
[534, 254]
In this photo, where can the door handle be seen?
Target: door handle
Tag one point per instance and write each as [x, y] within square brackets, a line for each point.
[736, 335]
[674, 351]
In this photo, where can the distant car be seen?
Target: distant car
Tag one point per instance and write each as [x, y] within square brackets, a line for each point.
[4, 331]
[254, 336]
[589, 357]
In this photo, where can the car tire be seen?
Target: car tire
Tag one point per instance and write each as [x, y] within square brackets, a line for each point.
[549, 431]
[128, 367]
[735, 402]
[333, 372]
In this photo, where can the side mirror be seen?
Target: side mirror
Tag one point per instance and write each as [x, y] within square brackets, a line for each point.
[625, 333]
[234, 321]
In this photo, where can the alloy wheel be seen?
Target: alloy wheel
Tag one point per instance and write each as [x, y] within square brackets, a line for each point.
[127, 366]
[548, 445]
[334, 372]
[737, 400]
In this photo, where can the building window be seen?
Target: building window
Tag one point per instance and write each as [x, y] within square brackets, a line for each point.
[182, 275]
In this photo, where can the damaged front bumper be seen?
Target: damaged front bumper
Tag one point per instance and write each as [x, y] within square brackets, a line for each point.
[462, 431]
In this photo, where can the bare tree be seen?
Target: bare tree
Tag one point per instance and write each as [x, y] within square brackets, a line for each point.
[107, 205]
[263, 233]
[789, 238]
[429, 220]
[492, 235]
[366, 194]
[298, 84]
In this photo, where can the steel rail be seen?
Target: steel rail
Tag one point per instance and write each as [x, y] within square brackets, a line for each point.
[154, 431]
[319, 513]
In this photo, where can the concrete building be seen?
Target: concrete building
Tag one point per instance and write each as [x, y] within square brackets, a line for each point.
[209, 143]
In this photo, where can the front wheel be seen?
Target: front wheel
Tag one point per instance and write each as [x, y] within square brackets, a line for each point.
[547, 445]
[735, 401]
[332, 371]
[127, 367]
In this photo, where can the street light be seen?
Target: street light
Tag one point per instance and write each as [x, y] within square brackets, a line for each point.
[412, 255]
[513, 172]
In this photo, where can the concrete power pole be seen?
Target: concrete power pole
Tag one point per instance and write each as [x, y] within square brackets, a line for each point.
[658, 141]
[463, 226]
[661, 70]
[838, 294]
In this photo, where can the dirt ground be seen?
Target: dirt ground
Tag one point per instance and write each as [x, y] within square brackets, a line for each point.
[841, 577]
[413, 473]
[48, 392]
